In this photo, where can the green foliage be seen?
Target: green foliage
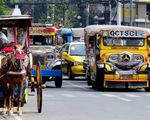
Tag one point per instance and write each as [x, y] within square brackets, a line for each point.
[62, 13]
[4, 10]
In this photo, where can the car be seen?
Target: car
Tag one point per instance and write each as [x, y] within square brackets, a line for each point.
[72, 57]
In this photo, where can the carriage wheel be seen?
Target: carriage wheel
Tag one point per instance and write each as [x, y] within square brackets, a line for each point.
[39, 89]
[32, 84]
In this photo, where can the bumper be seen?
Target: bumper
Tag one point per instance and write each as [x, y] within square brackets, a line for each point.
[78, 70]
[118, 81]
[48, 73]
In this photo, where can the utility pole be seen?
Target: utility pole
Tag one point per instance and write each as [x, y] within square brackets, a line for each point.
[131, 3]
[87, 17]
[123, 12]
[118, 13]
[110, 13]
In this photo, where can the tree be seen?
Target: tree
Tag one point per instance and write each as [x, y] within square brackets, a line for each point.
[4, 10]
[62, 13]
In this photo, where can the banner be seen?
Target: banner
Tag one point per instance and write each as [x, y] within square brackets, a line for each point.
[146, 1]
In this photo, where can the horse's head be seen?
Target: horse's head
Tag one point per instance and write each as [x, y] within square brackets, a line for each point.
[18, 57]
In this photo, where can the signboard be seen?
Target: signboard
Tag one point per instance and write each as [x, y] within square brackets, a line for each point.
[124, 33]
[42, 31]
[146, 1]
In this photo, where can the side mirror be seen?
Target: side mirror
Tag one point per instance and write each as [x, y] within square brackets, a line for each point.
[148, 42]
[64, 54]
[85, 64]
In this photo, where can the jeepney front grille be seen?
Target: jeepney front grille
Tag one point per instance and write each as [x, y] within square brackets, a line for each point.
[39, 57]
[126, 60]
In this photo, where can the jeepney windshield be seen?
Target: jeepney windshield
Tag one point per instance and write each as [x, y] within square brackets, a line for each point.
[77, 50]
[114, 41]
[41, 40]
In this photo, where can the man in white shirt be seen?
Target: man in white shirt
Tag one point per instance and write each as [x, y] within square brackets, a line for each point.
[3, 39]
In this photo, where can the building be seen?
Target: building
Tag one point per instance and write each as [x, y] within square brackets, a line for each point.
[142, 12]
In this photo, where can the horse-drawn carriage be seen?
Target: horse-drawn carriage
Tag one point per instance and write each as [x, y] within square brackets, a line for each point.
[16, 64]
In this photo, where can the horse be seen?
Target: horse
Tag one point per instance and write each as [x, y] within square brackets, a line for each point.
[4, 63]
[15, 74]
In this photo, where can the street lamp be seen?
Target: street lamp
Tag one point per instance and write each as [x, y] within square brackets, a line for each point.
[96, 19]
[78, 17]
[48, 19]
[79, 20]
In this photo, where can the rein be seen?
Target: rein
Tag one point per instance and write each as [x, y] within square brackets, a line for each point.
[2, 76]
[14, 67]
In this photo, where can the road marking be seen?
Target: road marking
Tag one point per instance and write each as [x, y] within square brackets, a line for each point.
[132, 95]
[118, 97]
[74, 85]
[48, 95]
[67, 95]
[90, 95]
[148, 107]
[148, 95]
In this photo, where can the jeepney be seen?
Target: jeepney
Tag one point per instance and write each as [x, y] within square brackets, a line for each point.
[117, 57]
[44, 49]
[67, 35]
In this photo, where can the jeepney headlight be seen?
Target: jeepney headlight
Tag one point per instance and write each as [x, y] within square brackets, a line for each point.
[78, 63]
[100, 65]
[148, 65]
[138, 58]
[113, 58]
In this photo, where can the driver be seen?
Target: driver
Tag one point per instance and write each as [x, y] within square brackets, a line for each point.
[3, 39]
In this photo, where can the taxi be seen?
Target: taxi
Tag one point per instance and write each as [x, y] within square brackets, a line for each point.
[72, 55]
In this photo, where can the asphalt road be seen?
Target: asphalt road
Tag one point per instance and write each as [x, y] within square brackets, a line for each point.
[76, 101]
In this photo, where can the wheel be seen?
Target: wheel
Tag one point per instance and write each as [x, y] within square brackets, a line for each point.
[70, 74]
[148, 88]
[32, 84]
[58, 81]
[39, 89]
[44, 79]
[88, 77]
[99, 80]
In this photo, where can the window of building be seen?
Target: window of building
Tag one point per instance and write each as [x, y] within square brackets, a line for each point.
[148, 8]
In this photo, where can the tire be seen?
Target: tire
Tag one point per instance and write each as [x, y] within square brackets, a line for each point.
[58, 82]
[44, 79]
[99, 80]
[70, 74]
[148, 88]
[88, 77]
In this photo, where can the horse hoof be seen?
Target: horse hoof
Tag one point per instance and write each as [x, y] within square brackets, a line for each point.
[10, 113]
[19, 113]
[3, 112]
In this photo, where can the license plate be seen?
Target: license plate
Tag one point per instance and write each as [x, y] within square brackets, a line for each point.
[126, 77]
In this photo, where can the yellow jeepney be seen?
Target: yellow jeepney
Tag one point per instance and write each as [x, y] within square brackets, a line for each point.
[117, 57]
[44, 49]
